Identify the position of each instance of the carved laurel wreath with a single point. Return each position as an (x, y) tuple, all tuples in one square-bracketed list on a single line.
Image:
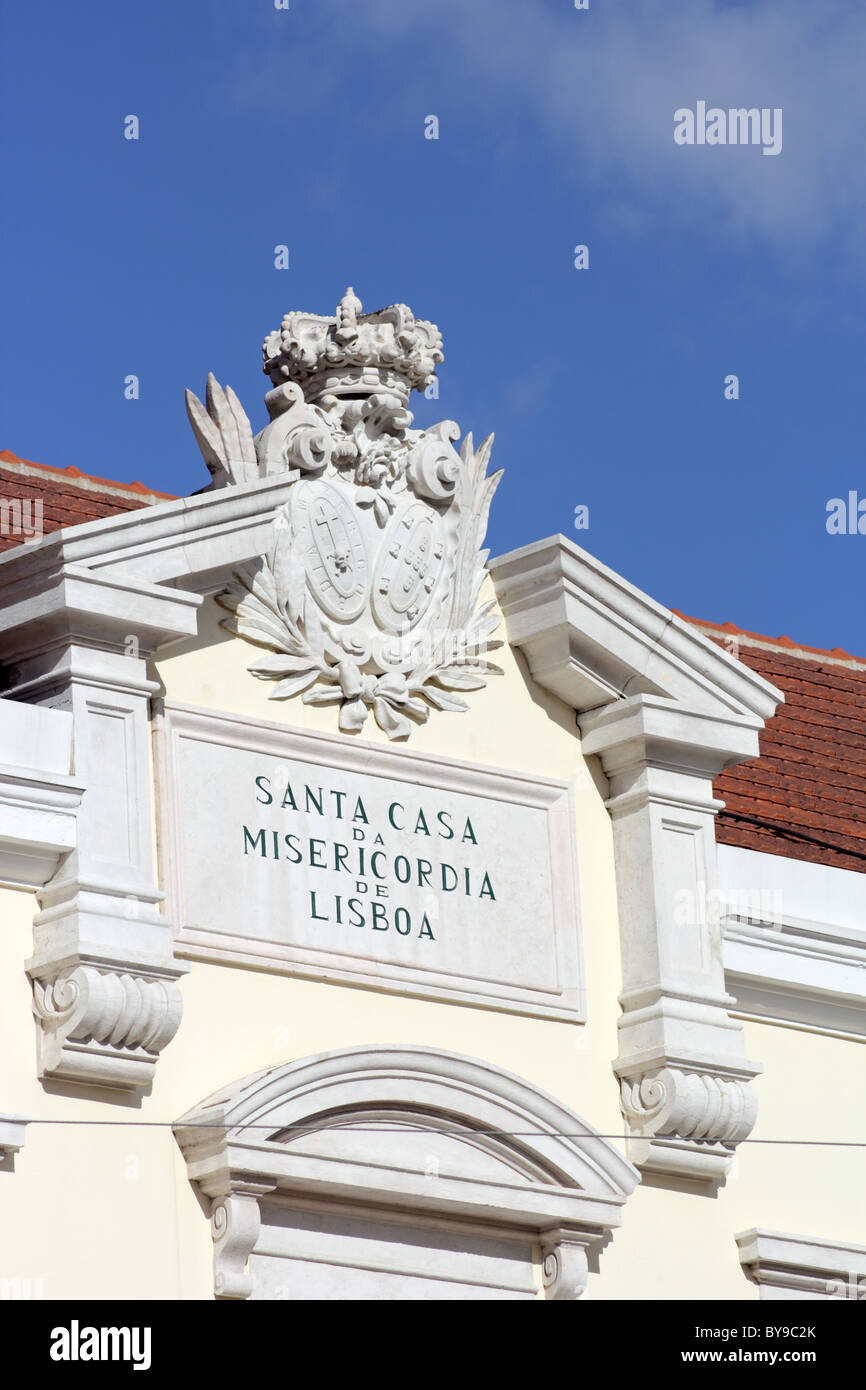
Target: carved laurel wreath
[(272, 607)]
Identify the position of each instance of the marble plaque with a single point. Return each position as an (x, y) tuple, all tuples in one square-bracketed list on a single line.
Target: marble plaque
[(335, 858)]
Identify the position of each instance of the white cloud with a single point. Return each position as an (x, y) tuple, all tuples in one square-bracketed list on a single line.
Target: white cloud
[(607, 81)]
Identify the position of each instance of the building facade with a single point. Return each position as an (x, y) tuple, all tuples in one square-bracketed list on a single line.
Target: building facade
[(386, 921)]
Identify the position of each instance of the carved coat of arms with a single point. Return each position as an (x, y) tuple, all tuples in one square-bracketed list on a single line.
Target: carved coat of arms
[(369, 596)]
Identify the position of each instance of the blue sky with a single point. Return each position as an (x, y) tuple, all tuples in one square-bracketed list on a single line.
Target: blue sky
[(605, 387)]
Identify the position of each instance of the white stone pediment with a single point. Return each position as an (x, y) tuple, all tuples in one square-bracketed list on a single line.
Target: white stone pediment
[(407, 1136), (335, 529), (276, 1120), (396, 1136), (192, 542), (590, 637)]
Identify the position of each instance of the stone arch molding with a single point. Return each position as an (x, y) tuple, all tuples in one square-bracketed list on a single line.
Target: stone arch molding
[(399, 1173)]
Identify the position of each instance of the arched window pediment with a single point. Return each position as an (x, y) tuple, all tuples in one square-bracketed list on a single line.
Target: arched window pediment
[(399, 1134)]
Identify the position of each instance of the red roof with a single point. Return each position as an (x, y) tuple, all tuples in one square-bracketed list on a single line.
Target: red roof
[(67, 497), (805, 796)]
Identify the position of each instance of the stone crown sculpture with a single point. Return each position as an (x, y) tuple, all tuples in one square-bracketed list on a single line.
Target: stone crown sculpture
[(354, 353), (368, 596)]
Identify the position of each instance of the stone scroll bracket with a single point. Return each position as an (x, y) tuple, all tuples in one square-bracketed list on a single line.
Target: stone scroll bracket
[(105, 995), (236, 1224), (564, 1266), (665, 711)]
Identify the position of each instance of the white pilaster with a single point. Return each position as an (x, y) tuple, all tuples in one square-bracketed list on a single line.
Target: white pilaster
[(104, 977), (666, 711), (683, 1073)]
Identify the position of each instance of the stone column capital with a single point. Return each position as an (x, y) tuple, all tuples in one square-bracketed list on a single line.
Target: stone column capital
[(662, 733)]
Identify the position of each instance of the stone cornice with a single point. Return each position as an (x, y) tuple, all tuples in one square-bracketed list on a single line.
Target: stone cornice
[(178, 542), (37, 824), (664, 733), (12, 1129), (39, 800), (62, 605), (591, 637), (798, 1267), (796, 971)]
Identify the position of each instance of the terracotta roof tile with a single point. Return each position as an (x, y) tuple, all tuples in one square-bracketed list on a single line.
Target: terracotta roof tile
[(805, 795), (67, 497)]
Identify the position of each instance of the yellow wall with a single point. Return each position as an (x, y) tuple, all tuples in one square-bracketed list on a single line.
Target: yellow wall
[(674, 1244), (106, 1211)]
